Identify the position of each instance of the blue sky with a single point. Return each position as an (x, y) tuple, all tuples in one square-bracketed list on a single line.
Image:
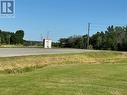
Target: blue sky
[(63, 18)]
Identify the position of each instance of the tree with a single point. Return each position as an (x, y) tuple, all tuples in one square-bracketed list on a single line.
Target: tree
[(114, 38), (19, 35), (13, 39)]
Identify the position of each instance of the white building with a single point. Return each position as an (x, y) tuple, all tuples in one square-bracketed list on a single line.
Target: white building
[(47, 43)]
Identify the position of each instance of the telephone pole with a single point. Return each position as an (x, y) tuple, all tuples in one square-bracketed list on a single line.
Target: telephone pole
[(88, 38)]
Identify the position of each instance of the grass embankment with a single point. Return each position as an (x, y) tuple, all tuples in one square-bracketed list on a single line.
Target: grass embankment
[(21, 64), (102, 73)]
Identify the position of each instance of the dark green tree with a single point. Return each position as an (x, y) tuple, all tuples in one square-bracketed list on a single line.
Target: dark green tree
[(19, 35)]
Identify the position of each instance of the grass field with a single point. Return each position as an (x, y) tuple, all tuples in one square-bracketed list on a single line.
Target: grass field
[(98, 73)]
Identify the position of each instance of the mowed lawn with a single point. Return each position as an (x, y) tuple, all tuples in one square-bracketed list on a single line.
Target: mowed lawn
[(102, 74)]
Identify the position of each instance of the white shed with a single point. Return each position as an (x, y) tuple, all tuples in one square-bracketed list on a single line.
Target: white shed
[(47, 43)]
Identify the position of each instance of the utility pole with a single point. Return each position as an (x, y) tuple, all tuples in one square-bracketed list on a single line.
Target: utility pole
[(88, 38)]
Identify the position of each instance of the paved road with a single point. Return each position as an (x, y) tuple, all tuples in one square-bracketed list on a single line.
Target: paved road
[(8, 52)]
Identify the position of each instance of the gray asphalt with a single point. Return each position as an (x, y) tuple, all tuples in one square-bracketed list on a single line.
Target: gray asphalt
[(9, 52)]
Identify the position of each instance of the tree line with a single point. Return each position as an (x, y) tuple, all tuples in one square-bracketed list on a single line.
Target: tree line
[(114, 38), (11, 37)]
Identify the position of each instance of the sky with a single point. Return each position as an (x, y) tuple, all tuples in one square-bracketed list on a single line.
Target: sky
[(64, 18)]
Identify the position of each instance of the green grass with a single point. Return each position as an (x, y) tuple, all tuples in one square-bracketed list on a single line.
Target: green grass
[(68, 79), (75, 78), (20, 63)]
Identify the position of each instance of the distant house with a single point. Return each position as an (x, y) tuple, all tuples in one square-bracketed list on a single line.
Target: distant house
[(47, 43)]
